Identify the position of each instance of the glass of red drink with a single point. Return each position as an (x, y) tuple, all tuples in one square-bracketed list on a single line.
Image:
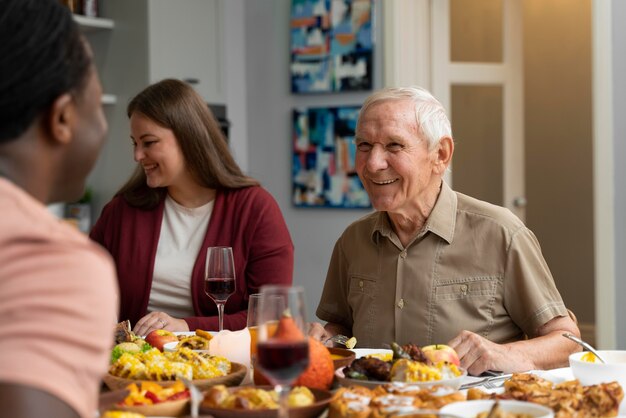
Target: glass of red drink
[(283, 350), (219, 280)]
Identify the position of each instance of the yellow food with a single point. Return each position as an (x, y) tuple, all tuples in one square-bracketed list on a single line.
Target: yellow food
[(588, 357), (251, 398), (158, 366), (351, 343), (137, 394), (122, 414)]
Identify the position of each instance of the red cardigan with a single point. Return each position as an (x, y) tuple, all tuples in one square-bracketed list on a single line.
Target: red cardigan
[(249, 220)]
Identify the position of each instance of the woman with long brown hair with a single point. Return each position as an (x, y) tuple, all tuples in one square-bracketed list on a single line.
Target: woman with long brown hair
[(186, 194)]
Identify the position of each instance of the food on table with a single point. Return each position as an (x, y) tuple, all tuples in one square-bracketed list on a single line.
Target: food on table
[(497, 412), (158, 366), (568, 399), (320, 372), (123, 332), (351, 343), (138, 346), (440, 352), (251, 398), (409, 364), (388, 400), (121, 414), (150, 393), (159, 337), (589, 357), (194, 342)]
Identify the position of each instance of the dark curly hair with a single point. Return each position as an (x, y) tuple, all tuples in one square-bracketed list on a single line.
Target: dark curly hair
[(42, 56)]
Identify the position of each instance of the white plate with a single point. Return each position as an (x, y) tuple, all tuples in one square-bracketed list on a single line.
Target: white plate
[(171, 347), (453, 383), (362, 352), (469, 409)]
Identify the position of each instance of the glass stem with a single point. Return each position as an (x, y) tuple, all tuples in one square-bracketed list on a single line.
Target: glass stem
[(283, 396), (220, 313)]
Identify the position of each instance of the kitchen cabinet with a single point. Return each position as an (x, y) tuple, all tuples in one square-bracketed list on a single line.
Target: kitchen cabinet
[(185, 43)]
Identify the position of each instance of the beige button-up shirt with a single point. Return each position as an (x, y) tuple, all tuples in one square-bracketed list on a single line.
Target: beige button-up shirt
[(474, 266)]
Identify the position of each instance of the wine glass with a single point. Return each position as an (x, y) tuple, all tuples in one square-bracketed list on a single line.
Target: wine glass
[(219, 281), (283, 350)]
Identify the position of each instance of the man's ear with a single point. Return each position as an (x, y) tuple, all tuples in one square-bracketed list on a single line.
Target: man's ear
[(444, 151), (61, 118)]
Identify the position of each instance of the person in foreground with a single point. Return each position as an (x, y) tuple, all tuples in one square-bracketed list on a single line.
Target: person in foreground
[(434, 266), (58, 295), (187, 194)]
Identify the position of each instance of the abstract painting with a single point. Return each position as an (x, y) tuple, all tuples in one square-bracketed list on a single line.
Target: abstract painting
[(323, 169), (331, 45)]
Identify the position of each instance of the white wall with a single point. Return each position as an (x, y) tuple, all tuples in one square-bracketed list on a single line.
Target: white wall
[(619, 141), (314, 231)]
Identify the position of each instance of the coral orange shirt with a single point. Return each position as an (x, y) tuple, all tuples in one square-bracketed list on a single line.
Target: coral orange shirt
[(58, 303)]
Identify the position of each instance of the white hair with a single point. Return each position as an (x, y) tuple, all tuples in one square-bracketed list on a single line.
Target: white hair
[(430, 116)]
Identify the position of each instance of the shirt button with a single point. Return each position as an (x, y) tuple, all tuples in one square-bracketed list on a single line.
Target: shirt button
[(401, 303), (403, 254), (361, 284), (464, 289)]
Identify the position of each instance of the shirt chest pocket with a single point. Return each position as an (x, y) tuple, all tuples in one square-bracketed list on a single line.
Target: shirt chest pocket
[(470, 288), (363, 287)]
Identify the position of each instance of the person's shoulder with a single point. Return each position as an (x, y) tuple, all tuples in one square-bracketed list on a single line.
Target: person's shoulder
[(482, 211), (252, 196), (365, 225)]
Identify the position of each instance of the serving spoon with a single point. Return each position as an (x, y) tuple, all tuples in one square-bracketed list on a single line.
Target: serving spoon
[(585, 345)]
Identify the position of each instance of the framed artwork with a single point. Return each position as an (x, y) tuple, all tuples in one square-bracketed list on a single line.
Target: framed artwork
[(323, 171), (331, 45)]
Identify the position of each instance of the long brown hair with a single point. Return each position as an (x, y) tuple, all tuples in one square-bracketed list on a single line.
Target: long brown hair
[(175, 105)]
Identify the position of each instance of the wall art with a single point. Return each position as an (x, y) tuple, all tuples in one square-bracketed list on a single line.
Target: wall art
[(324, 150), (331, 45)]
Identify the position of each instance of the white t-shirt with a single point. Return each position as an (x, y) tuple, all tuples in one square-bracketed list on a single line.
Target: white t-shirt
[(182, 233)]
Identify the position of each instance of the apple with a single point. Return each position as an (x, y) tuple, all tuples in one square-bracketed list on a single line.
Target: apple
[(159, 337), (440, 352)]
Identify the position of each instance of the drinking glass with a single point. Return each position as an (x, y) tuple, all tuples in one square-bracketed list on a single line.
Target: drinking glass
[(282, 358), (219, 282), (253, 321)]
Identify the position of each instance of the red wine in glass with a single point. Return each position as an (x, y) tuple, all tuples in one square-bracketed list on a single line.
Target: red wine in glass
[(219, 282), (219, 288), (282, 362)]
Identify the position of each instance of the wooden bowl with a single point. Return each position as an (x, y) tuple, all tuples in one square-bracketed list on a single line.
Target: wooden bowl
[(164, 409), (342, 357), (237, 373), (322, 399)]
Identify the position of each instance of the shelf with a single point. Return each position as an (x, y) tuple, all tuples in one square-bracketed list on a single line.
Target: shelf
[(109, 99), (92, 24)]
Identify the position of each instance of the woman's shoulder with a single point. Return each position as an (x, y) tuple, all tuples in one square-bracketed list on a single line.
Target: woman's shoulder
[(253, 195)]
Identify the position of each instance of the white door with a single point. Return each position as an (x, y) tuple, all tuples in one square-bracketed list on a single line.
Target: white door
[(469, 55)]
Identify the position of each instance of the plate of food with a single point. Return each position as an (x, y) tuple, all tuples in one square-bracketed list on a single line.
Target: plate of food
[(262, 402), (149, 399), (233, 377), (410, 365), (497, 409)]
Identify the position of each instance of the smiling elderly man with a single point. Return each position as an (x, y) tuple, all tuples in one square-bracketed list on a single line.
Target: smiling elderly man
[(431, 265)]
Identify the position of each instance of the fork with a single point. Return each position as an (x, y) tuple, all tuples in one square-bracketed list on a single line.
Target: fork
[(338, 339), (196, 396), (494, 384)]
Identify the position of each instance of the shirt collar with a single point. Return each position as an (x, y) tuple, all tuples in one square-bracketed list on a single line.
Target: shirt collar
[(441, 221)]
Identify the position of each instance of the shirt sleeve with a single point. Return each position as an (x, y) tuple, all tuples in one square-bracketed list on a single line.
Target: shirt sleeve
[(530, 296), (333, 305)]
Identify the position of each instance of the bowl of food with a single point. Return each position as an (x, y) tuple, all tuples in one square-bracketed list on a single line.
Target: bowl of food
[(150, 399), (589, 370), (341, 356), (496, 409), (262, 402)]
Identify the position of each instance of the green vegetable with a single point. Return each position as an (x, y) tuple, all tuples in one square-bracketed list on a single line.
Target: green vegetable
[(122, 348), (398, 352)]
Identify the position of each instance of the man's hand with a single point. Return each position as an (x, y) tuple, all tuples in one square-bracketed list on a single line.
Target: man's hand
[(478, 354), (547, 349), (318, 332)]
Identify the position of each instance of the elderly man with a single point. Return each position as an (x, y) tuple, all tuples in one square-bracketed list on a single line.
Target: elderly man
[(433, 266), (58, 294)]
